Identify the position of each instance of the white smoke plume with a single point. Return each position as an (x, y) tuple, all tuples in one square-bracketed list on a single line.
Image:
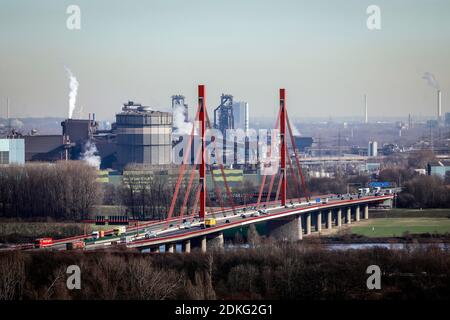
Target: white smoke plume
[(90, 155), (295, 131), (73, 86), (181, 127), (431, 80)]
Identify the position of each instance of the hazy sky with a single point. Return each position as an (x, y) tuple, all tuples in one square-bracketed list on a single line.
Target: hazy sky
[(320, 51)]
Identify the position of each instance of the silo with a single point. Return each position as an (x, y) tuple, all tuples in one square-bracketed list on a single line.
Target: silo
[(144, 136)]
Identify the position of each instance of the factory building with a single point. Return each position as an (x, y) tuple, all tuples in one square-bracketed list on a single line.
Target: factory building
[(438, 168), (447, 119), (45, 148), (143, 135), (12, 151), (303, 143), (372, 150), (223, 114), (241, 115)]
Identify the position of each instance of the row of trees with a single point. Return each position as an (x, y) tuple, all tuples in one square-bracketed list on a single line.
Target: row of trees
[(65, 190), (265, 271), (425, 192)]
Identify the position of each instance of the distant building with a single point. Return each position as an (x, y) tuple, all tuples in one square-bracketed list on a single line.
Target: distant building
[(143, 135), (12, 151), (241, 115), (223, 114), (372, 150), (302, 143), (438, 168), (447, 119), (45, 148), (432, 123)]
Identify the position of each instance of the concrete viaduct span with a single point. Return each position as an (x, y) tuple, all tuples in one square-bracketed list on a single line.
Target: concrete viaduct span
[(289, 224)]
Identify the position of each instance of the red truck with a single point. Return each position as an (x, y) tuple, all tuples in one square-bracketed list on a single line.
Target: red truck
[(43, 242)]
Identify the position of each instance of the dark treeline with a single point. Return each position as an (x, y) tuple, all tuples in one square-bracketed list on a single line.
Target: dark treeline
[(65, 190), (267, 271), (425, 192)]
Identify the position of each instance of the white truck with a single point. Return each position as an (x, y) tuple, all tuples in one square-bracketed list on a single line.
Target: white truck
[(363, 191), (126, 239)]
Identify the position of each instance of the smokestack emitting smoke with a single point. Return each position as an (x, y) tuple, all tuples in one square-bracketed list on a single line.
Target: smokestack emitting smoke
[(432, 82), (182, 127), (89, 155), (439, 105), (73, 86)]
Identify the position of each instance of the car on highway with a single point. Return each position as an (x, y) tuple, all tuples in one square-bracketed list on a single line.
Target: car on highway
[(243, 216), (127, 238), (185, 225), (227, 221), (255, 214), (210, 222), (95, 235), (119, 230), (150, 234)]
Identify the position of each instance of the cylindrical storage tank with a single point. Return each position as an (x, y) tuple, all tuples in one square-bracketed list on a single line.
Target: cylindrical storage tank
[(144, 136)]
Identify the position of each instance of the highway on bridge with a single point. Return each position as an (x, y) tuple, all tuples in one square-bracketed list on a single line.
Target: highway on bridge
[(151, 234)]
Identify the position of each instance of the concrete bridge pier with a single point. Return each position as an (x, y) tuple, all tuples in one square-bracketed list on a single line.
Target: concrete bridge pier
[(300, 228), (319, 222), (203, 244), (286, 228), (339, 217), (357, 213), (186, 246), (366, 211), (308, 223), (170, 247), (349, 215), (216, 241), (329, 219)]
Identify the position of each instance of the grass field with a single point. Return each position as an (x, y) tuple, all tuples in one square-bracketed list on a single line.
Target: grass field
[(411, 213), (388, 227)]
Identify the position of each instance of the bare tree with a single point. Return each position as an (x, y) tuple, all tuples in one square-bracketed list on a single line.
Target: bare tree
[(12, 276), (149, 283)]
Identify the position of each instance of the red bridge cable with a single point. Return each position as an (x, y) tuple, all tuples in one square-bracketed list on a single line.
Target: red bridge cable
[(278, 190), (191, 180), (261, 189), (299, 168), (227, 187), (196, 199), (293, 174), (181, 173), (217, 191)]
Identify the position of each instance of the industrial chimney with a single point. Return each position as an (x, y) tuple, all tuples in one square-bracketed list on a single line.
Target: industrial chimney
[(366, 116), (439, 105)]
